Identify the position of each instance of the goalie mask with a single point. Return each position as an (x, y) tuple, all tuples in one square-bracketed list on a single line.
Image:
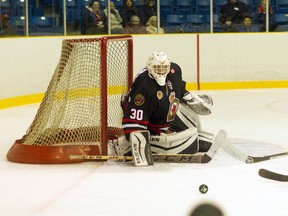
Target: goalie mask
[(158, 66)]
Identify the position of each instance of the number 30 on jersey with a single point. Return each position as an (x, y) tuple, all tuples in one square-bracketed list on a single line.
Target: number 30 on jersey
[(136, 114)]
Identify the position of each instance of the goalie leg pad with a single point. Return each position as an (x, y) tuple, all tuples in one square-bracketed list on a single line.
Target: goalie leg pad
[(176, 143), (141, 149)]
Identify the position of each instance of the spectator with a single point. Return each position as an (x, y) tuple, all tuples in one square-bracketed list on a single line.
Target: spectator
[(147, 10), (115, 19), (127, 11), (231, 15), (261, 18), (5, 29), (95, 20), (134, 26), (151, 26), (247, 25)]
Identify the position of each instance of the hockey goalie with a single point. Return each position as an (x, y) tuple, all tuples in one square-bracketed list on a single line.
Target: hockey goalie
[(159, 105)]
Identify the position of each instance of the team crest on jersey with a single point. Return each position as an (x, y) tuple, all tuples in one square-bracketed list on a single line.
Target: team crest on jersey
[(139, 99), (172, 71), (174, 105), (171, 96), (159, 95)]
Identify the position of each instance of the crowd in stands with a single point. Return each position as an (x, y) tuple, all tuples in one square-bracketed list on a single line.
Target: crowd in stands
[(128, 19), (6, 30), (235, 16), (140, 16)]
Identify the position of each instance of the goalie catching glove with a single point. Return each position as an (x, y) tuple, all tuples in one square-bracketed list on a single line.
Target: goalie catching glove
[(201, 104)]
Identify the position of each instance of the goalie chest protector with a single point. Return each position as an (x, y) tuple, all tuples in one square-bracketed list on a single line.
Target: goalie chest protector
[(151, 106)]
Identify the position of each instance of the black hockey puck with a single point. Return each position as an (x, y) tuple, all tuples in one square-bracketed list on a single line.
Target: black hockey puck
[(203, 188)]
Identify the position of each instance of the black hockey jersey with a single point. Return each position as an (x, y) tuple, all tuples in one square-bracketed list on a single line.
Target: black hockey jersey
[(150, 106)]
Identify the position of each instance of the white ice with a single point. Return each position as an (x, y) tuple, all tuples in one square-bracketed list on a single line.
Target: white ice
[(255, 121)]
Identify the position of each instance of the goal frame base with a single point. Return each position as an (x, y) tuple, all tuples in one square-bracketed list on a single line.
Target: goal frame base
[(22, 153)]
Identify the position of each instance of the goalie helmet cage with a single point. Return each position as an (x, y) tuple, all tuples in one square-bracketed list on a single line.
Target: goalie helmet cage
[(81, 109)]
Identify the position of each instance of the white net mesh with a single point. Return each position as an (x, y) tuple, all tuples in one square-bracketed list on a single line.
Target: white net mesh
[(74, 105)]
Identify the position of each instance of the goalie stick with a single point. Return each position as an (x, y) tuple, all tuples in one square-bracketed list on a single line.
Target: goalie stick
[(177, 158), (181, 158), (272, 175), (238, 154)]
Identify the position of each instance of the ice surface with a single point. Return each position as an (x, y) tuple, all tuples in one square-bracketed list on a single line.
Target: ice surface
[(255, 121)]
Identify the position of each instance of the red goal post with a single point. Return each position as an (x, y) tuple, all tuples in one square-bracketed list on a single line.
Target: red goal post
[(81, 108)]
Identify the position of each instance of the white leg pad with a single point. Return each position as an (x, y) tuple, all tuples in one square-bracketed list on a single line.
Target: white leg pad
[(141, 149), (174, 143)]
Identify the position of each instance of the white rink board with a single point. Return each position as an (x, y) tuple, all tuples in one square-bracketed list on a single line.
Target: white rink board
[(243, 57), (27, 64)]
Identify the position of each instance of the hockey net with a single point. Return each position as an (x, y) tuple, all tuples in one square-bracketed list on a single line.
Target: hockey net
[(81, 110)]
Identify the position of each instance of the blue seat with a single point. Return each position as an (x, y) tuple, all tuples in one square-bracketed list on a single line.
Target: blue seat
[(175, 19), (166, 11), (82, 3), (20, 11), (197, 23), (216, 25), (70, 3), (185, 7), (17, 20), (4, 3), (19, 23), (17, 3), (118, 4), (18, 7), (37, 11), (138, 3), (51, 2), (281, 18), (5, 7), (196, 19), (282, 22), (167, 7), (250, 5), (42, 24), (71, 16), (281, 6), (203, 6), (217, 4), (174, 23), (72, 10), (33, 3), (249, 2), (167, 4)]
